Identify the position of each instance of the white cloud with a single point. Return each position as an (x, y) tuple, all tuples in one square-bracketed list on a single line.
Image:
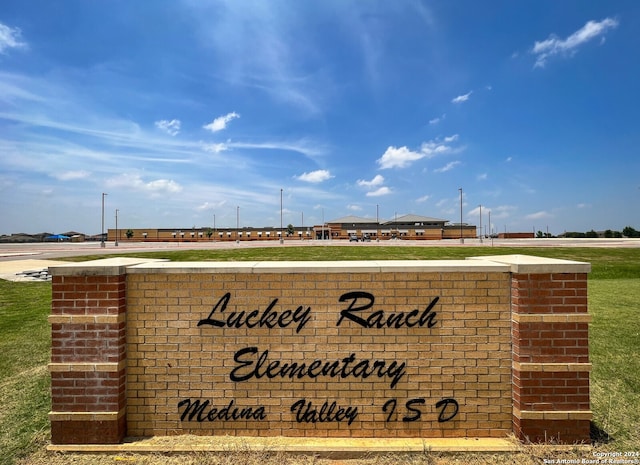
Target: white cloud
[(71, 175), (556, 46), (401, 157), (379, 192), (448, 167), (170, 127), (398, 157), (135, 182), (354, 208), (482, 177), (424, 198), (315, 176), (376, 181), (220, 122), (10, 38), (462, 98)]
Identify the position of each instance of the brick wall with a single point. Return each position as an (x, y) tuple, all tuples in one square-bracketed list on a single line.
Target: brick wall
[(333, 349), (465, 355)]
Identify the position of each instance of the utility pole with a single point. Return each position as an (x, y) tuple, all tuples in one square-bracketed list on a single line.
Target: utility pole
[(461, 238), (281, 232), (102, 232), (480, 223), (377, 224), (116, 244)]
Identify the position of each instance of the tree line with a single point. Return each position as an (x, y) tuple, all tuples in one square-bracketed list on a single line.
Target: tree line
[(628, 231)]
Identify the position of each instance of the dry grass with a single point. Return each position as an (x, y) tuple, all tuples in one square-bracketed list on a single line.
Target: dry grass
[(528, 455)]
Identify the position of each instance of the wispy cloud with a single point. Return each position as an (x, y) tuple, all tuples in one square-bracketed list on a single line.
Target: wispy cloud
[(448, 167), (437, 119), (422, 199), (539, 215), (10, 37), (215, 148), (462, 98), (136, 183), (554, 45), (220, 123), (211, 205), (72, 175), (170, 127), (306, 148), (501, 211), (315, 176)]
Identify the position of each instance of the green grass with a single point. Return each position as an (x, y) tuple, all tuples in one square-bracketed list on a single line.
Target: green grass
[(24, 381), (614, 291), (607, 263), (614, 346)]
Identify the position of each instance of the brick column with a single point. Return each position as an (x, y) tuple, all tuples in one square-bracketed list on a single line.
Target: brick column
[(550, 337), (88, 352)]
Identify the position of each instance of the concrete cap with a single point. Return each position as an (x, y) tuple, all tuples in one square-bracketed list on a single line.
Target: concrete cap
[(538, 265)]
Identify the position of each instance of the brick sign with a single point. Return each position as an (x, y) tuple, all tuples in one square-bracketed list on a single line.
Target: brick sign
[(472, 348)]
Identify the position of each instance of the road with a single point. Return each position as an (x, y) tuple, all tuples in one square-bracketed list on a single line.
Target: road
[(51, 250)]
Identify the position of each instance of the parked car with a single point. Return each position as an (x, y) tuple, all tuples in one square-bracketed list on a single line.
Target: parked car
[(366, 238), (353, 238)]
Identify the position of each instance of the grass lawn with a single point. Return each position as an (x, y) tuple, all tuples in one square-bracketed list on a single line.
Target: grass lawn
[(614, 290)]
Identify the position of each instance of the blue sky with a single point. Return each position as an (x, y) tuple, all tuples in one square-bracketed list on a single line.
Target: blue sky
[(182, 110)]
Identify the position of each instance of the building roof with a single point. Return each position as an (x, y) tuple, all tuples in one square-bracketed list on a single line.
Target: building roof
[(353, 219), (412, 219)]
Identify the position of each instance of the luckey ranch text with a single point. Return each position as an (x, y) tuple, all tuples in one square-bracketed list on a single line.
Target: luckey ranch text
[(254, 363)]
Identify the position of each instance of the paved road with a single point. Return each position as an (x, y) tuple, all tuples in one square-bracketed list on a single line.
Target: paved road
[(46, 251)]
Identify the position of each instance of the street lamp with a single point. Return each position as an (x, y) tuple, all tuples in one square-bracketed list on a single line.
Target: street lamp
[(102, 232), (281, 232), (377, 224), (237, 224), (461, 238), (116, 244)]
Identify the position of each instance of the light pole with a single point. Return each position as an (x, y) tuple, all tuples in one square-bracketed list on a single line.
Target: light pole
[(281, 232), (490, 232), (377, 224), (461, 238), (102, 232), (116, 244), (237, 224), (480, 223), (214, 227)]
